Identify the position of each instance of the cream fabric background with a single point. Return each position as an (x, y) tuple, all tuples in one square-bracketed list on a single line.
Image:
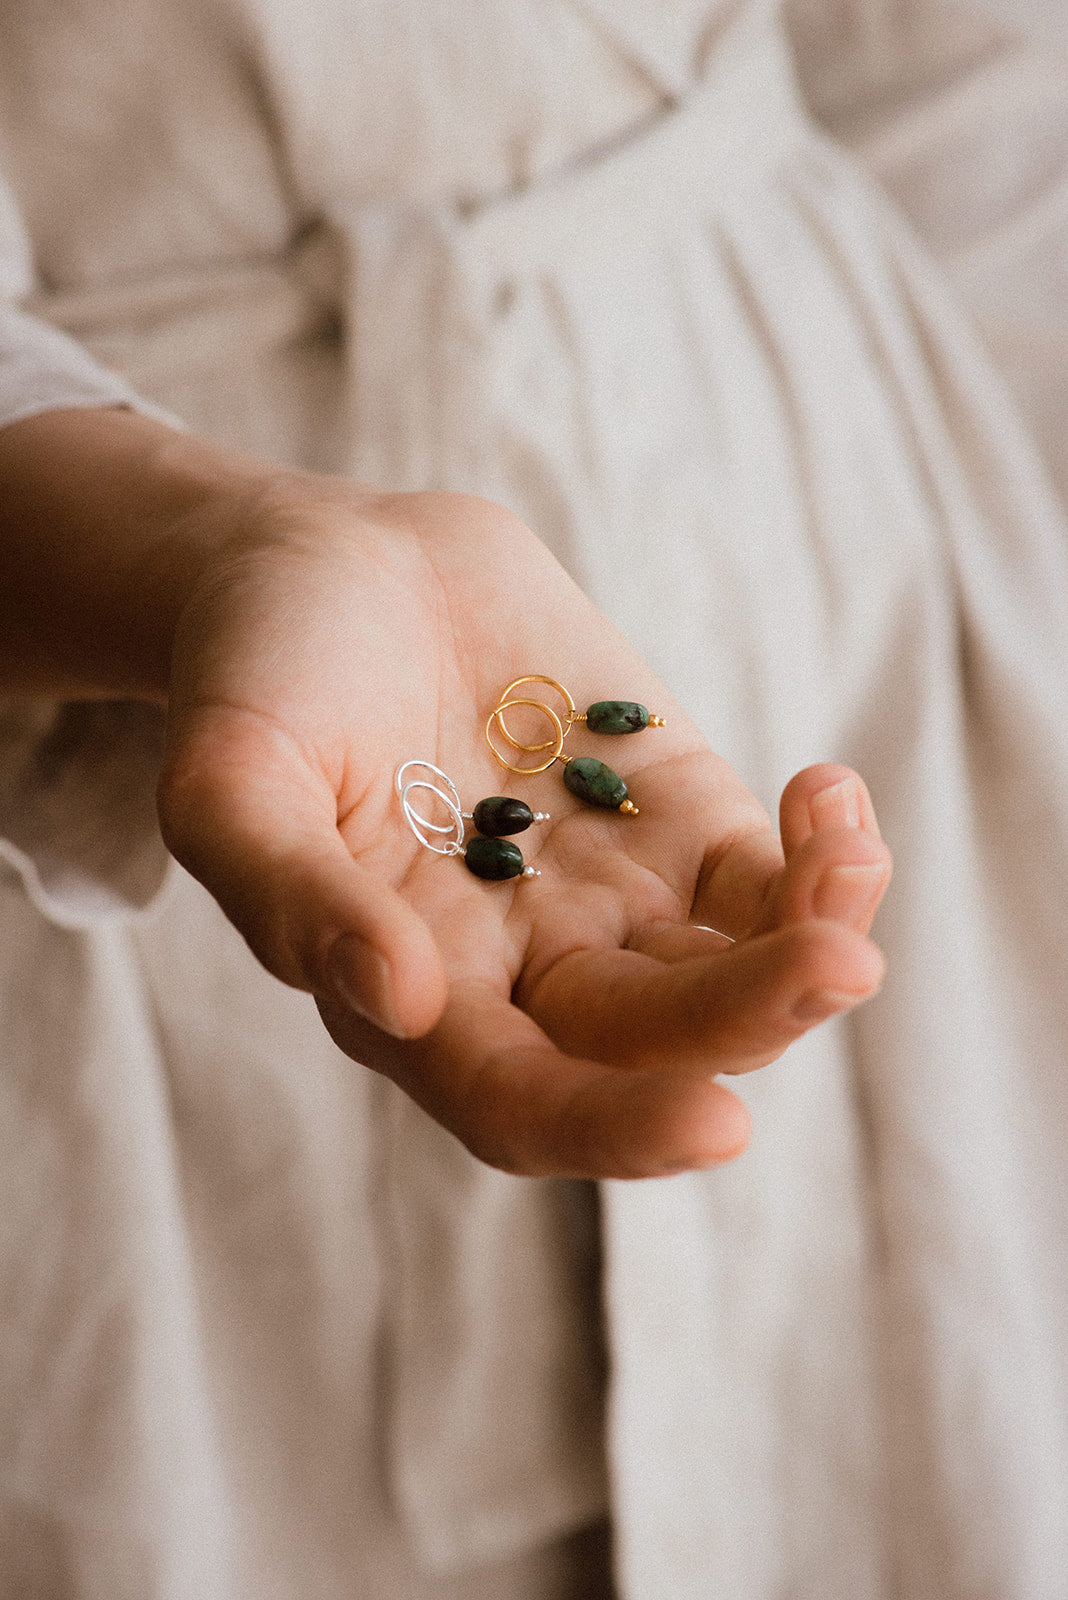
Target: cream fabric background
[(658, 311)]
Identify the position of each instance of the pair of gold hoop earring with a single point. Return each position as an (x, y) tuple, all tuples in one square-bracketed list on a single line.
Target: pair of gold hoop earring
[(587, 778)]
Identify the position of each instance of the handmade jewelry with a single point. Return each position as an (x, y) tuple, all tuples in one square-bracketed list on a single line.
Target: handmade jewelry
[(488, 854), (589, 779)]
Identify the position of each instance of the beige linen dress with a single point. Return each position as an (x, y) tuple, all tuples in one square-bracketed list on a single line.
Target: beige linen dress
[(634, 268)]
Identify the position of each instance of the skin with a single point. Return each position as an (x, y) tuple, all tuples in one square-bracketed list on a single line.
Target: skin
[(308, 634)]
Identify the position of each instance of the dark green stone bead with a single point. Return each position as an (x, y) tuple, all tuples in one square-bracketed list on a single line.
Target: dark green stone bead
[(493, 858), (617, 716), (595, 783), (499, 814)]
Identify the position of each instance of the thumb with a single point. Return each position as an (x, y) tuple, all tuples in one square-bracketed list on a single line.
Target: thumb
[(244, 812)]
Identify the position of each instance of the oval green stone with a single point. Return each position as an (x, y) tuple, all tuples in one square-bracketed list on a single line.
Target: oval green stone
[(595, 783), (617, 716), (493, 858), (499, 814)]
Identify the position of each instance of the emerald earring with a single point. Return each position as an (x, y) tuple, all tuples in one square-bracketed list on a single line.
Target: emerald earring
[(489, 854), (589, 779)]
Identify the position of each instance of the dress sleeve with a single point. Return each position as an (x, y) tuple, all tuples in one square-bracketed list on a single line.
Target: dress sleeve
[(959, 109), (78, 830), (42, 369)]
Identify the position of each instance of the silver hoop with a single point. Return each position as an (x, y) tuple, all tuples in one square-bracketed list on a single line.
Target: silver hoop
[(417, 823), (420, 825), (452, 799)]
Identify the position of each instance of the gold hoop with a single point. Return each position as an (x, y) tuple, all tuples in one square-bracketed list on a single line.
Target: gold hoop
[(503, 704), (497, 714)]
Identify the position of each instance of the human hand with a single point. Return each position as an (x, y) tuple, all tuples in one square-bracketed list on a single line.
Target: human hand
[(575, 1023)]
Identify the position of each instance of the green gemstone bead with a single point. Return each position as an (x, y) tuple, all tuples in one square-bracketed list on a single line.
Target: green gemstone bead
[(617, 716), (595, 783), (493, 858), (499, 814)]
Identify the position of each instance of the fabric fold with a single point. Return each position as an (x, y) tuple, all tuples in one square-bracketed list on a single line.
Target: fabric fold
[(496, 1427), (77, 807)]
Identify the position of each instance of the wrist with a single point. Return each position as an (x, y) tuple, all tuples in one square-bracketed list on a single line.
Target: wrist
[(107, 522)]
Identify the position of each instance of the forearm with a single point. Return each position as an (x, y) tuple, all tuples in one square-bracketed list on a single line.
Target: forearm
[(106, 521)]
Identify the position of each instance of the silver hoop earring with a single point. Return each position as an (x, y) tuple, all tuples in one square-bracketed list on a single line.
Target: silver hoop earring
[(449, 798), (489, 854)]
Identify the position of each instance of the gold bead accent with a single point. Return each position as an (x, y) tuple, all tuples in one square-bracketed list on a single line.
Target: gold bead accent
[(629, 809), (657, 722)]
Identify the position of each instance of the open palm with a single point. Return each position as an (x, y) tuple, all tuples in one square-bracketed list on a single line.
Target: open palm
[(572, 1023)]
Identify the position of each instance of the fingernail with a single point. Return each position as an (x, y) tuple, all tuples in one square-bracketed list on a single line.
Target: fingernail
[(847, 892), (819, 1004), (836, 807), (359, 977)]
